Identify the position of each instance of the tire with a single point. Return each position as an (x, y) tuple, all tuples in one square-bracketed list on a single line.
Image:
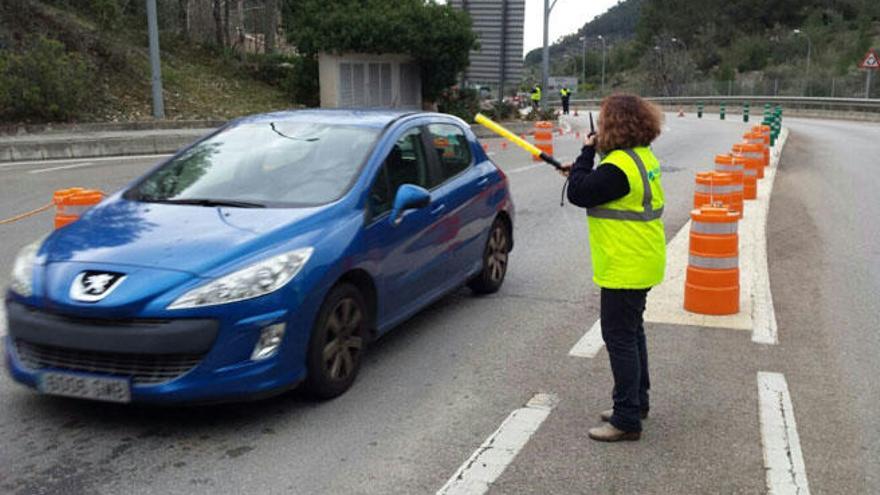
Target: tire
[(337, 343), (495, 257)]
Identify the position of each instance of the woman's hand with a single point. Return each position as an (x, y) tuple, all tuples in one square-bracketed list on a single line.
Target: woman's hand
[(565, 169), (590, 139)]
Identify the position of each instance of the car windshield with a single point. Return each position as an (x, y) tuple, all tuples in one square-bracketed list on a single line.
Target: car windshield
[(263, 164)]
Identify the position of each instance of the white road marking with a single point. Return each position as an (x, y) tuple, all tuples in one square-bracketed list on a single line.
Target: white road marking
[(590, 343), (665, 301), (62, 167), (783, 458), (476, 475), (527, 168), (80, 160)]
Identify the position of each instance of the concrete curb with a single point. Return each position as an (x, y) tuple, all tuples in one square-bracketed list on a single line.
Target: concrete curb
[(98, 140), (147, 125), (61, 146)]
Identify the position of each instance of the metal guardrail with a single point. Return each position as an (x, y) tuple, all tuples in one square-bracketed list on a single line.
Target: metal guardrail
[(805, 102)]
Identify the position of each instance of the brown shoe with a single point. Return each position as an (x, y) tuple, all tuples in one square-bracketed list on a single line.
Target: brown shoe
[(608, 433), (606, 415)]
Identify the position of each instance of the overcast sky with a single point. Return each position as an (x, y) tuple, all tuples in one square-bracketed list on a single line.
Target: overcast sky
[(567, 17)]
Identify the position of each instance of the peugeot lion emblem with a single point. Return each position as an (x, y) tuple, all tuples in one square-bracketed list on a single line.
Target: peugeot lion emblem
[(91, 286)]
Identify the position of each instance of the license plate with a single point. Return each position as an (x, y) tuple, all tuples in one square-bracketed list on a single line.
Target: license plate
[(86, 386)]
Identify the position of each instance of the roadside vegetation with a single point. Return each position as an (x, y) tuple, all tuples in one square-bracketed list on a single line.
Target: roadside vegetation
[(680, 47), (88, 61)]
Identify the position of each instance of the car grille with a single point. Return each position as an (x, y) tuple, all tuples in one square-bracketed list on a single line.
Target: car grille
[(143, 369)]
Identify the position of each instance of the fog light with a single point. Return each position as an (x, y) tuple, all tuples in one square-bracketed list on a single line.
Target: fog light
[(269, 342)]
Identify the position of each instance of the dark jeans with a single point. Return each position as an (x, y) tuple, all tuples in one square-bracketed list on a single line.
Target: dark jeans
[(565, 106), (624, 335)]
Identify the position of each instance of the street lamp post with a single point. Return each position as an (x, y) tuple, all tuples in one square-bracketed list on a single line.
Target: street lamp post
[(545, 62), (155, 66), (809, 50), (603, 62), (584, 60)]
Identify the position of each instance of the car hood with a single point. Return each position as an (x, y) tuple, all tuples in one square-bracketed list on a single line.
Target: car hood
[(186, 238)]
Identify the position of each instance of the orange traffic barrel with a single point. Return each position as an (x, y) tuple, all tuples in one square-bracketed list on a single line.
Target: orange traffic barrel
[(761, 140), (543, 138), (712, 280), (73, 202), (718, 189), (752, 152)]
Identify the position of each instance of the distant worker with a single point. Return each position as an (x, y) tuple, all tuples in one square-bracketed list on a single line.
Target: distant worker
[(624, 201), (536, 96), (565, 94)]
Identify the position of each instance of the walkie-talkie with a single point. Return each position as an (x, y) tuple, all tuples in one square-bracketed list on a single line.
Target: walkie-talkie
[(592, 127)]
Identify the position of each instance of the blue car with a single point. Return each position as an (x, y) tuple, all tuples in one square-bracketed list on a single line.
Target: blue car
[(264, 256)]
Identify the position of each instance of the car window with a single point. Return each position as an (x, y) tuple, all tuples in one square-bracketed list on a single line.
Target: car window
[(406, 163), (452, 148), (274, 163)]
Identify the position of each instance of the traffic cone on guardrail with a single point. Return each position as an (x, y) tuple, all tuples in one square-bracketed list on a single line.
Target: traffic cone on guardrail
[(712, 278)]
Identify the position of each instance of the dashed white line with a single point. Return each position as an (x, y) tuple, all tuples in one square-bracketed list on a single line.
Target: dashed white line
[(62, 167), (527, 168), (783, 458), (477, 474), (590, 343), (80, 160)]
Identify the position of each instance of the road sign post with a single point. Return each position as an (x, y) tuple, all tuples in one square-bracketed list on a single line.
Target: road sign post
[(870, 63)]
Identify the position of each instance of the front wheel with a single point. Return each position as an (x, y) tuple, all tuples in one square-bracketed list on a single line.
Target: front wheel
[(337, 343), (495, 255)]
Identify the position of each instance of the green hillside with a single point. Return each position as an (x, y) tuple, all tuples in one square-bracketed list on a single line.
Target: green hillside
[(679, 47), (72, 61)]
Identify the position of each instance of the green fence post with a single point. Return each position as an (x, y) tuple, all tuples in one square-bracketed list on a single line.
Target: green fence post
[(721, 111), (699, 109), (746, 112)]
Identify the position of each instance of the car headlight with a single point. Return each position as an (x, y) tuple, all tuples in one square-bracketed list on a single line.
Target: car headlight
[(254, 281), (23, 269)]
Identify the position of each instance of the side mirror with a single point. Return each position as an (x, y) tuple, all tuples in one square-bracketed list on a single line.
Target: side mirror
[(409, 197)]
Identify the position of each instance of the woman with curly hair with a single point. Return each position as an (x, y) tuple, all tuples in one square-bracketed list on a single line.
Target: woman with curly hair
[(624, 201)]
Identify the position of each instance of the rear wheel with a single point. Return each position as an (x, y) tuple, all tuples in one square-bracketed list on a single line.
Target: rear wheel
[(337, 343), (495, 255)]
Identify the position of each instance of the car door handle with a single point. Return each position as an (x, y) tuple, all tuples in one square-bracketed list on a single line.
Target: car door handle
[(483, 182), (438, 209)]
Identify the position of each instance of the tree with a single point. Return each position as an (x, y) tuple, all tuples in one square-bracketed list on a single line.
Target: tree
[(438, 37)]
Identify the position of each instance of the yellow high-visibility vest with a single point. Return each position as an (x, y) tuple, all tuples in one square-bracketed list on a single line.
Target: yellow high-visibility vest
[(627, 243)]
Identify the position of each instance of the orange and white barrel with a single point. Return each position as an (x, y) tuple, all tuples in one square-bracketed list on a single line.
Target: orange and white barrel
[(712, 278), (718, 189), (752, 152), (758, 138), (543, 138), (71, 203)]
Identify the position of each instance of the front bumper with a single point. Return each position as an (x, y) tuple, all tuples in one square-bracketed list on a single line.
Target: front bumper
[(167, 361)]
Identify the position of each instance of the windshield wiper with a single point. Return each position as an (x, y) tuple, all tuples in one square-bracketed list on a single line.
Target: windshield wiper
[(210, 202)]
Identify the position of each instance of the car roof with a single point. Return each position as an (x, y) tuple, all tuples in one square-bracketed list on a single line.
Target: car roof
[(360, 117)]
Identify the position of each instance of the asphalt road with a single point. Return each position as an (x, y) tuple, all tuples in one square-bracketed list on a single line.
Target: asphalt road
[(432, 390)]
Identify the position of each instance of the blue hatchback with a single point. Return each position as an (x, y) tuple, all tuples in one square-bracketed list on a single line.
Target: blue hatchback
[(263, 256)]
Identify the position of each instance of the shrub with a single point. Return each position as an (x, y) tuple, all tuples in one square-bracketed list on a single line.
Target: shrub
[(44, 82), (463, 103), (107, 13), (501, 111), (297, 76)]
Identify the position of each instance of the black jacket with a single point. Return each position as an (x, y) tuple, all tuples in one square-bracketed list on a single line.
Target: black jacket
[(588, 187)]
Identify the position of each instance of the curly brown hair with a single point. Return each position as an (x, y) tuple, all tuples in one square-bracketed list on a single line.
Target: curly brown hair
[(627, 121)]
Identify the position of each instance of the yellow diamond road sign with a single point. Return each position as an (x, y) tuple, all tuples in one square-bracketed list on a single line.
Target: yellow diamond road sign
[(871, 60)]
